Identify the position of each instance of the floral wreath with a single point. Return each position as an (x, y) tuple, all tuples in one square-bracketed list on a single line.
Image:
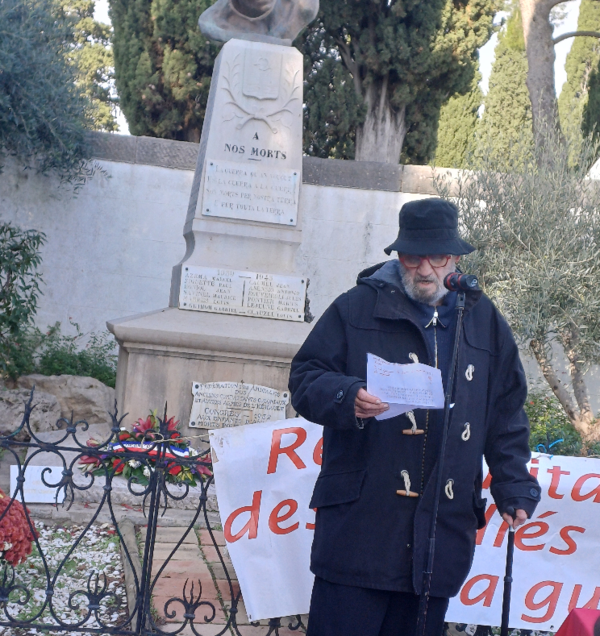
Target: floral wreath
[(148, 437)]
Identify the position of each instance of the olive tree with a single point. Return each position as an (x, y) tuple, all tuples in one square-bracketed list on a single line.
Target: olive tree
[(535, 221)]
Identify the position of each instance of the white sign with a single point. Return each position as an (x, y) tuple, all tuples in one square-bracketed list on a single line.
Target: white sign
[(253, 193), (265, 475), (34, 488), (404, 386), (223, 404), (557, 560), (226, 291)]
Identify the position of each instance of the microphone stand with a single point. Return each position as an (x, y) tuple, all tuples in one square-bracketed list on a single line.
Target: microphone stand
[(427, 572)]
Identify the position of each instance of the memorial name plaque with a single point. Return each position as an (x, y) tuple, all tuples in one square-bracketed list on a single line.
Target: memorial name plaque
[(222, 404), (225, 291), (251, 192)]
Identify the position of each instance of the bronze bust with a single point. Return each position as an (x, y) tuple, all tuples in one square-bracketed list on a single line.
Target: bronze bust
[(273, 21)]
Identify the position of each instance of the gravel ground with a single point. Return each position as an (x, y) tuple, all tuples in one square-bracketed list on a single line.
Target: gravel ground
[(97, 554)]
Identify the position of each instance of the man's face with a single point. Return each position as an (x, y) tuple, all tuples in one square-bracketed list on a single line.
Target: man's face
[(253, 8), (425, 283)]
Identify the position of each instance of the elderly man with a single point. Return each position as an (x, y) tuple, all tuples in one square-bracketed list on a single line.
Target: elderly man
[(374, 495)]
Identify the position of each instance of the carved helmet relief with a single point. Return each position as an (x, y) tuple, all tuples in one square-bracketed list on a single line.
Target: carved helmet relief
[(262, 74), (261, 80)]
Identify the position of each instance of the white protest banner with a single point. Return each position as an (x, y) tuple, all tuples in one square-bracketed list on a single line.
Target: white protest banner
[(264, 476), (556, 562)]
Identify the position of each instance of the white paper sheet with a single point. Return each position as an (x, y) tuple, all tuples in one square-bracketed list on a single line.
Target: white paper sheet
[(404, 386)]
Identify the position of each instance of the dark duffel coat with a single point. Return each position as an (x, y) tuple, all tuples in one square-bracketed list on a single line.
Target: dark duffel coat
[(366, 534)]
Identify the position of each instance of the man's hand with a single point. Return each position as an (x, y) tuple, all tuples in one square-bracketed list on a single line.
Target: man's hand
[(519, 519), (367, 405)]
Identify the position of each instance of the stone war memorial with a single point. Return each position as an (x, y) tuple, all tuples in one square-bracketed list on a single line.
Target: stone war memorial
[(219, 354)]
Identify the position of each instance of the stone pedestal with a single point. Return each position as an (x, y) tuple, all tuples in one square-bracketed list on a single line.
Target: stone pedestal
[(163, 352), (242, 218)]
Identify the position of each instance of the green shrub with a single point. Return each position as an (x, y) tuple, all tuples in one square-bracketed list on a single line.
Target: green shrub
[(19, 290), (54, 353), (59, 354), (549, 424)]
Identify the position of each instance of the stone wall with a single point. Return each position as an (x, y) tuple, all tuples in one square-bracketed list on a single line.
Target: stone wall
[(112, 246)]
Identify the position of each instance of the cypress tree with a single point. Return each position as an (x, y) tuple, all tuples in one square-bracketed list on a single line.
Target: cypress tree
[(581, 64), (457, 125), (91, 55), (506, 120), (403, 59), (163, 66)]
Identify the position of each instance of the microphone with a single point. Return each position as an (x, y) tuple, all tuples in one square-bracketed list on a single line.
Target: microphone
[(461, 282)]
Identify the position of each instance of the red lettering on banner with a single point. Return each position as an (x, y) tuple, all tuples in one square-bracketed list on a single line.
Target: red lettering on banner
[(576, 494), (550, 601), (534, 468), (275, 519), (318, 453), (525, 533), (591, 604), (566, 537), (487, 595), (488, 515), (251, 526), (276, 449), (556, 472)]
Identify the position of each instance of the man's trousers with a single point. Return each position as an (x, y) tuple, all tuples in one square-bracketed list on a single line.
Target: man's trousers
[(344, 610)]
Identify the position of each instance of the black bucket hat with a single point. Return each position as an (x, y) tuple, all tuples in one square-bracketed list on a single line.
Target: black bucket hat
[(429, 226)]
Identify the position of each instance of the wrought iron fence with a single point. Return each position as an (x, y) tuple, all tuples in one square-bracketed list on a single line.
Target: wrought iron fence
[(33, 597)]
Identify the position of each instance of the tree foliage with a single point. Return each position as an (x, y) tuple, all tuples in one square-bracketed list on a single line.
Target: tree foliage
[(43, 112), (506, 122), (163, 66), (90, 53), (536, 225), (457, 125), (403, 60), (582, 61), (19, 289)]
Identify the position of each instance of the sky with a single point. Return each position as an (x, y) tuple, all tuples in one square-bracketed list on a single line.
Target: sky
[(486, 53)]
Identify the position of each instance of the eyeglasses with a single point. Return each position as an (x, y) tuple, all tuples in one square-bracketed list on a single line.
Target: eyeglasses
[(412, 261)]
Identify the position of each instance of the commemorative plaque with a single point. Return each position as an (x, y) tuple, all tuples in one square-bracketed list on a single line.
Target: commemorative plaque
[(226, 291), (251, 192), (223, 404)]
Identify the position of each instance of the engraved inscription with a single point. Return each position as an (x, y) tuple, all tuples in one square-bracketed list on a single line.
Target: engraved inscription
[(251, 192), (226, 291), (222, 404)]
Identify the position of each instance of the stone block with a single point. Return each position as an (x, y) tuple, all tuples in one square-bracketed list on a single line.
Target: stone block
[(43, 418), (86, 398)]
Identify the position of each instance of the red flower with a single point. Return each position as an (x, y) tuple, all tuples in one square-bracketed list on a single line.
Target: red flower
[(142, 426), (15, 531), (86, 459), (174, 470), (172, 424), (118, 465), (123, 436)]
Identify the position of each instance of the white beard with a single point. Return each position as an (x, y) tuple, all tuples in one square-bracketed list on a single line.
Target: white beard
[(421, 295)]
